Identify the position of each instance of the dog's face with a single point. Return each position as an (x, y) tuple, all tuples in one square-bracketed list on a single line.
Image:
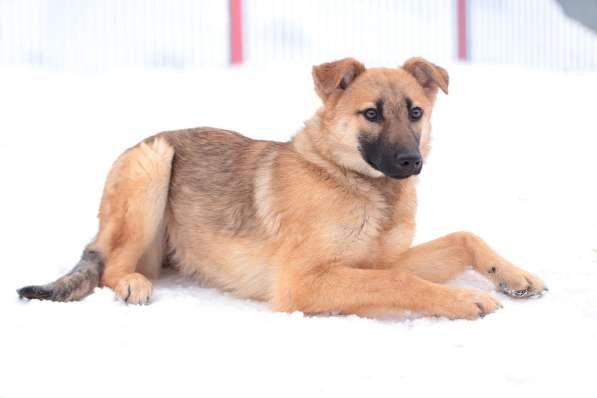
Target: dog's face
[(376, 121)]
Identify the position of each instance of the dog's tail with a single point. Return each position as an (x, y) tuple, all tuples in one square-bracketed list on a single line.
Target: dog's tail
[(75, 285)]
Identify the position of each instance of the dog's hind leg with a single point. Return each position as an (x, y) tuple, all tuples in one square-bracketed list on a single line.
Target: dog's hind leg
[(132, 219)]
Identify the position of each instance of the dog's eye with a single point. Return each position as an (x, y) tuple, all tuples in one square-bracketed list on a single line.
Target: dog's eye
[(415, 113), (371, 114)]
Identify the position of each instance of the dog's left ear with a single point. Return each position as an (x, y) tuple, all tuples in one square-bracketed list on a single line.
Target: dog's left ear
[(335, 77), (429, 75)]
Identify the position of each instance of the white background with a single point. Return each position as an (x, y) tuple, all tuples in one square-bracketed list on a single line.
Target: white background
[(513, 160)]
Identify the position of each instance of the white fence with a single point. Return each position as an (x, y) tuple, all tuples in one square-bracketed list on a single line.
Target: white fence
[(100, 34), (103, 34), (378, 31), (529, 32)]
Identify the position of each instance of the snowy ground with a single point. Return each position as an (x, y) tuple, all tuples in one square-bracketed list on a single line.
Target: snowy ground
[(513, 160)]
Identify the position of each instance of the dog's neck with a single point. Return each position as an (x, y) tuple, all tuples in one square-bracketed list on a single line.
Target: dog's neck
[(307, 145)]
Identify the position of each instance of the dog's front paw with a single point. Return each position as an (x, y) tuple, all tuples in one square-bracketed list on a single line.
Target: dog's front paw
[(134, 289), (467, 304), (516, 282)]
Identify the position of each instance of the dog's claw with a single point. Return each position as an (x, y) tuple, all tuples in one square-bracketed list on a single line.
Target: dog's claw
[(481, 310), (514, 293), (126, 299), (527, 292)]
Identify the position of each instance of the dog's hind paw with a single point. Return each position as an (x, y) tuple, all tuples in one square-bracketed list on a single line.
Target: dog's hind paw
[(134, 289)]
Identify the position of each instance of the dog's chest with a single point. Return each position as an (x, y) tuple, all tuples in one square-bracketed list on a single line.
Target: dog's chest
[(357, 233)]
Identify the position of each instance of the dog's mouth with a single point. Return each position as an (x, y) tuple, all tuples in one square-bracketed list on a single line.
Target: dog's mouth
[(401, 176)]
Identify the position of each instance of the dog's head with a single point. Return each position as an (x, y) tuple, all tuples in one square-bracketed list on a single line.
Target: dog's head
[(376, 121)]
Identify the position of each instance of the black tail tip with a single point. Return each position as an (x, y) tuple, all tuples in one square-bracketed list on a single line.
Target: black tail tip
[(35, 292)]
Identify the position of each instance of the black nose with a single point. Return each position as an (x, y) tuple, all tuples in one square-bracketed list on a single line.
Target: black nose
[(409, 163)]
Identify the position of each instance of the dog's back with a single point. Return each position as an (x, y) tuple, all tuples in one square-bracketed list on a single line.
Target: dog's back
[(213, 174)]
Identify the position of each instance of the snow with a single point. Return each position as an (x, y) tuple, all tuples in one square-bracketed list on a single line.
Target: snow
[(513, 160)]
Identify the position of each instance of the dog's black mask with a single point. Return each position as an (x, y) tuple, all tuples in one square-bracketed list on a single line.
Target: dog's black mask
[(392, 159)]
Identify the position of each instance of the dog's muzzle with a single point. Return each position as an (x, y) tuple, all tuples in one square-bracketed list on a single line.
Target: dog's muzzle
[(392, 160)]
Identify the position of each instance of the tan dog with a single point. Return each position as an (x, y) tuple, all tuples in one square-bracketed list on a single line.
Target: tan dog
[(321, 224)]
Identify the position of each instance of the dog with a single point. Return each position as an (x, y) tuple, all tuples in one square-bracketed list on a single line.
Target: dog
[(321, 224)]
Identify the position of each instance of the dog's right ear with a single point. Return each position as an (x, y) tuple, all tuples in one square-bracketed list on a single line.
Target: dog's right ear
[(430, 76), (334, 77)]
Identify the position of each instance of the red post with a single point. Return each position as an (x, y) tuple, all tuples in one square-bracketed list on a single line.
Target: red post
[(462, 30), (236, 31)]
